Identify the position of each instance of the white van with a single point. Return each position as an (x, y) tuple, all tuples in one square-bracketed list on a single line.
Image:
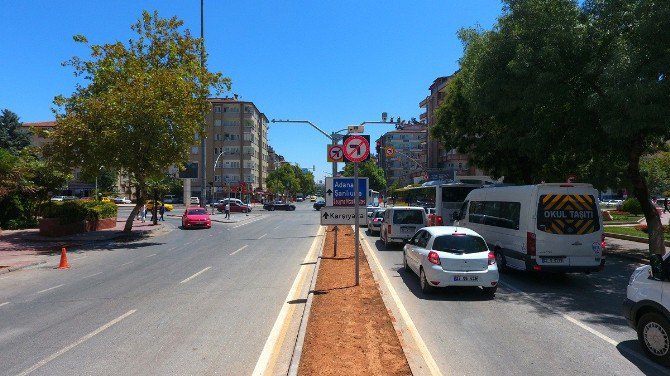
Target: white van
[(545, 227), (400, 223)]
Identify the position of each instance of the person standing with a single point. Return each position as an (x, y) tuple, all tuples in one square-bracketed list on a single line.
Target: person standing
[(162, 211), (143, 213), (227, 210)]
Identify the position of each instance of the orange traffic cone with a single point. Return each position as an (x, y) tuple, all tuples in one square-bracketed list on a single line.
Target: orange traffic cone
[(63, 259)]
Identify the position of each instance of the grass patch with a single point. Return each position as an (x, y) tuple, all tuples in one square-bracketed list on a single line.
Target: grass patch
[(631, 231)]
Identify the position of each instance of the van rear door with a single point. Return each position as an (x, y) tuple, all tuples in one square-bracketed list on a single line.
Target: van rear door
[(568, 227)]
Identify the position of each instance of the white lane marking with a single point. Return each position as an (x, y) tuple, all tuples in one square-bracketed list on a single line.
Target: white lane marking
[(127, 263), (239, 250), (5, 303), (151, 255), (275, 340), (76, 343), (587, 328), (196, 274), (50, 288), (276, 227), (262, 236), (420, 344), (92, 275), (247, 222)]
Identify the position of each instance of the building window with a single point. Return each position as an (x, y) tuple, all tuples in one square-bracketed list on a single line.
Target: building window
[(217, 109), (217, 122), (194, 149), (197, 137), (217, 137), (217, 178)]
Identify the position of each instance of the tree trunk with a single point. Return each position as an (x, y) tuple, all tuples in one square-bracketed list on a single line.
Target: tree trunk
[(140, 194), (641, 192)]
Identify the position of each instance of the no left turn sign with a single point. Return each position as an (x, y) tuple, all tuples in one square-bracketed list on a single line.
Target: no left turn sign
[(356, 148), (335, 153)]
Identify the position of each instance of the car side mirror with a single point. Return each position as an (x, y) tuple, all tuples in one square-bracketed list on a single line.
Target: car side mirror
[(456, 215)]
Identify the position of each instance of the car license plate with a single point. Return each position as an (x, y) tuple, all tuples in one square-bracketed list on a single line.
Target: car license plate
[(406, 229), (552, 260), (466, 278)]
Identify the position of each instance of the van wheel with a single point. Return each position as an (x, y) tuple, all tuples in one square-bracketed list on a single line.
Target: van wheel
[(490, 292), (426, 288), (501, 261), (653, 332)]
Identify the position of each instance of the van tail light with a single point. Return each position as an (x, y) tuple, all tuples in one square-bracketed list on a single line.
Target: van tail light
[(602, 242), (438, 220), (389, 229), (530, 243), (492, 258), (433, 258)]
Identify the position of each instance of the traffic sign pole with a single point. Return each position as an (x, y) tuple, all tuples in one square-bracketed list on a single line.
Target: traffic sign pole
[(356, 226)]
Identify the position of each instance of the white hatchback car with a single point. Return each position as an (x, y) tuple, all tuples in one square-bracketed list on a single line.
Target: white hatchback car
[(451, 256)]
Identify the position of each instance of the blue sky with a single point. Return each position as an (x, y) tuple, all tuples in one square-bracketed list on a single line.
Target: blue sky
[(334, 63)]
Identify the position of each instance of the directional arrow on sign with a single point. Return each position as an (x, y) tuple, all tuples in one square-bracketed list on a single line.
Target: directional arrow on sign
[(330, 192)]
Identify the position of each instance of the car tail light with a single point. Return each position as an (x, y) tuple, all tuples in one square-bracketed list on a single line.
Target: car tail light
[(492, 258), (433, 258), (602, 242), (531, 243), (537, 268), (438, 221)]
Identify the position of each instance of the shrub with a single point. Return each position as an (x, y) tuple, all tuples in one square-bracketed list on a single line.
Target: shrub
[(632, 205), (76, 211)]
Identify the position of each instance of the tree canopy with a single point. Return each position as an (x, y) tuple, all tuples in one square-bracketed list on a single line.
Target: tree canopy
[(558, 89), (368, 169), (141, 107), (291, 179), (12, 137)]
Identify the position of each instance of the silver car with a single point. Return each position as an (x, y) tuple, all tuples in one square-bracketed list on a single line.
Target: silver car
[(375, 221)]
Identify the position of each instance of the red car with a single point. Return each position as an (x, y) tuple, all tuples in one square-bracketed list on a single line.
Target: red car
[(235, 207), (196, 217)]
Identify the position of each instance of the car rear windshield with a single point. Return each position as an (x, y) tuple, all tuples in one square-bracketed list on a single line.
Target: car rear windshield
[(567, 214), (460, 244), (379, 214), (408, 217), (197, 211)]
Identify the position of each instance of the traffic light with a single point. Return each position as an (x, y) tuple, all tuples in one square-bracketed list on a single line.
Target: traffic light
[(378, 147)]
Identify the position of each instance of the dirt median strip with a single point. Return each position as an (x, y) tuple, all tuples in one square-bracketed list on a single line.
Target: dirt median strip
[(349, 330)]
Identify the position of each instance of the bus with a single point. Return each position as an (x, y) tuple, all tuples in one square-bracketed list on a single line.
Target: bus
[(444, 198)]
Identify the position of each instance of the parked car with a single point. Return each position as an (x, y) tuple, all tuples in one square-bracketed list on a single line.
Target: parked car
[(319, 204), (279, 205), (170, 199), (401, 223), (647, 310), (299, 199), (150, 205), (451, 256), (195, 201), (57, 198), (376, 222), (196, 217), (225, 200), (312, 198), (70, 198), (235, 207), (122, 200)]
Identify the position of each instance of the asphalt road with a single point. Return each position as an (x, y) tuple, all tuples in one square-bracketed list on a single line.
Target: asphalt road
[(536, 325), (187, 302)]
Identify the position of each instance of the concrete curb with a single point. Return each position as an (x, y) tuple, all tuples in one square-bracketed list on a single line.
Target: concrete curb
[(302, 331), (625, 256), (633, 238), (15, 268)]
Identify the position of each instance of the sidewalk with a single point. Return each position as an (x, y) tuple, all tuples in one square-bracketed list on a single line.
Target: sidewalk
[(23, 248)]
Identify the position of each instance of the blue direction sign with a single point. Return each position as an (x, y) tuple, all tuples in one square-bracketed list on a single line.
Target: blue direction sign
[(340, 191)]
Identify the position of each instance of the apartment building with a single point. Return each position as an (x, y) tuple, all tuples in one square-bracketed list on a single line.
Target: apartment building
[(442, 162), (409, 161), (236, 136)]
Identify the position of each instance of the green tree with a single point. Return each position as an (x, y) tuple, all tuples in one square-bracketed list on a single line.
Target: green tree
[(368, 169), (656, 171), (12, 137), (284, 180), (142, 107), (306, 179), (554, 89)]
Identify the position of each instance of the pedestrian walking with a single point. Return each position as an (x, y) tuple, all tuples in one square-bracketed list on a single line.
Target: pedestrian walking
[(143, 213), (227, 209), (162, 211)]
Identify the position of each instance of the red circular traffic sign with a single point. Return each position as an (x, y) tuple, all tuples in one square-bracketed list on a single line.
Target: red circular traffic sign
[(335, 153), (356, 148)]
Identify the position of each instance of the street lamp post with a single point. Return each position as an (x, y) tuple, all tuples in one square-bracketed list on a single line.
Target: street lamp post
[(203, 157)]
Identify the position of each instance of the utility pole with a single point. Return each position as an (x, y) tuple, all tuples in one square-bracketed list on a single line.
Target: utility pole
[(203, 138)]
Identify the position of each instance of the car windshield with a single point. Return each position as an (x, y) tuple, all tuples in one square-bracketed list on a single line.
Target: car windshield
[(408, 217), (460, 244), (197, 211), (379, 214)]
